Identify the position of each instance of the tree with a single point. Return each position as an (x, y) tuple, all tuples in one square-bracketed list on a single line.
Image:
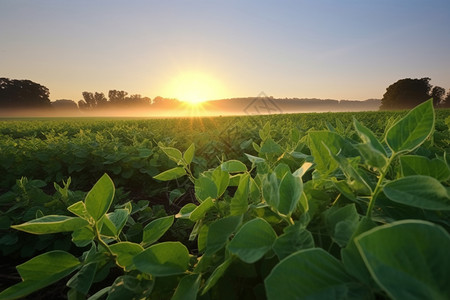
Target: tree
[(91, 100), (116, 97), (23, 94), (446, 101), (437, 93), (406, 93), (65, 104)]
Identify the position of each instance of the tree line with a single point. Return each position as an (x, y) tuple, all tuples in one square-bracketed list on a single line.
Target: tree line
[(25, 94)]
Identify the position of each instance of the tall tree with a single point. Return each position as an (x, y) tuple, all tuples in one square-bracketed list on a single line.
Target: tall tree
[(23, 94), (437, 93), (406, 93)]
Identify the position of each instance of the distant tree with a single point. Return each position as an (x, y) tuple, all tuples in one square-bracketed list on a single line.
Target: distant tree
[(446, 101), (437, 93), (117, 97), (23, 94), (92, 100), (65, 104), (406, 93)]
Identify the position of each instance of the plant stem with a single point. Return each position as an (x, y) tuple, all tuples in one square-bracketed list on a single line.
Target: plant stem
[(99, 239), (378, 188)]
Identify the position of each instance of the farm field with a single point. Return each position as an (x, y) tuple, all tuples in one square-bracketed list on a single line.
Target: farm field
[(317, 206)]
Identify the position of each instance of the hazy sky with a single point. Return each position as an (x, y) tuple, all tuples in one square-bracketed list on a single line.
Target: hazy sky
[(340, 49)]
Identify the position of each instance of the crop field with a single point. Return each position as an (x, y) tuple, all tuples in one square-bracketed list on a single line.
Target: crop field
[(296, 206)]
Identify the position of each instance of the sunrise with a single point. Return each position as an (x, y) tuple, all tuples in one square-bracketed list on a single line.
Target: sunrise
[(209, 150)]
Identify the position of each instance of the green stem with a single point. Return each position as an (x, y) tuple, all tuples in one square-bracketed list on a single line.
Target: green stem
[(378, 188), (99, 239)]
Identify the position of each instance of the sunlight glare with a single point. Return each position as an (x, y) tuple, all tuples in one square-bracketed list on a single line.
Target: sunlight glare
[(194, 88)]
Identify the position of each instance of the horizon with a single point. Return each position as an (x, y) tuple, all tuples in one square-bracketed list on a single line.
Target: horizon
[(209, 50)]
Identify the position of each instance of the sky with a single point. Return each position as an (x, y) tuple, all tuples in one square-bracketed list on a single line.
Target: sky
[(328, 49)]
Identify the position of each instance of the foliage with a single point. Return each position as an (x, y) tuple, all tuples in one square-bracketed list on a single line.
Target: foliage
[(337, 213), (23, 94), (406, 93)]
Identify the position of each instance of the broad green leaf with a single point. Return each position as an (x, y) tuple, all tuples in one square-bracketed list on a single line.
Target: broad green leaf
[(100, 197), (239, 202), (294, 238), (163, 259), (372, 156), (125, 251), (189, 154), (221, 179), (83, 279), (408, 259), (281, 169), (418, 191), (188, 287), (368, 137), (186, 211), (204, 188), (201, 210), (412, 130), (420, 165), (41, 271), (119, 218), (269, 146), (253, 240), (233, 166), (171, 174), (270, 189), (79, 209), (290, 190), (154, 230), (216, 275), (219, 232), (83, 236), (351, 258), (173, 153), (254, 159), (52, 224), (319, 142), (201, 237), (342, 223), (308, 274)]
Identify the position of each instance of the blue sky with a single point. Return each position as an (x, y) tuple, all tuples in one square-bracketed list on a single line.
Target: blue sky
[(349, 49)]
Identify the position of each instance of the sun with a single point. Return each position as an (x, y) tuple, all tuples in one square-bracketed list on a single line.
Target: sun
[(194, 87)]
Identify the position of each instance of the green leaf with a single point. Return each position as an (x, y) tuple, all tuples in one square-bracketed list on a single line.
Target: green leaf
[(295, 238), (233, 166), (100, 197), (163, 259), (254, 159), (171, 174), (216, 275), (41, 271), (125, 251), (420, 165), (221, 179), (342, 222), (189, 154), (418, 191), (79, 209), (253, 240), (83, 236), (154, 230), (408, 259), (188, 287), (173, 153), (290, 190), (185, 211), (219, 232), (308, 274), (201, 210), (204, 188), (412, 130), (368, 137), (52, 224), (83, 279), (269, 146), (319, 142), (239, 202), (372, 156), (270, 189)]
